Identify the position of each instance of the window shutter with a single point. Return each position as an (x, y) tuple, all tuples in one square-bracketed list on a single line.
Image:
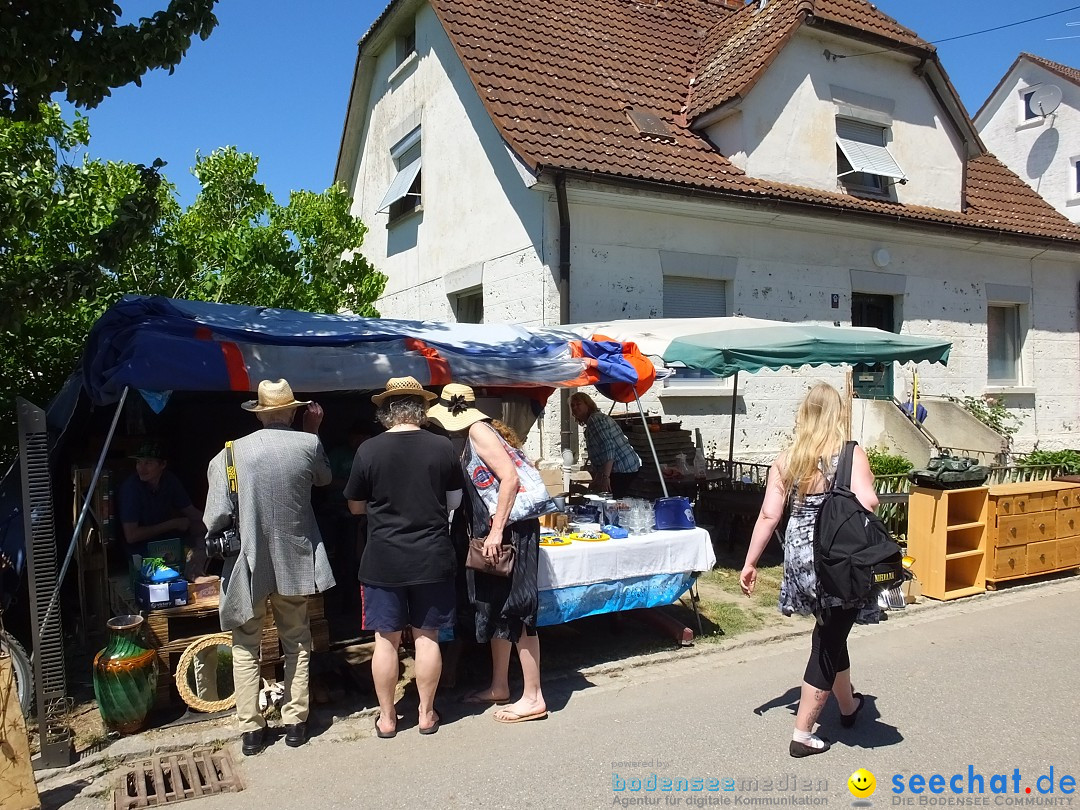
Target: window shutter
[(686, 297), (860, 131)]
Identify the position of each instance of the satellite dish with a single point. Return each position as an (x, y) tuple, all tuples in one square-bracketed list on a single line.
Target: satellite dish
[(1045, 99)]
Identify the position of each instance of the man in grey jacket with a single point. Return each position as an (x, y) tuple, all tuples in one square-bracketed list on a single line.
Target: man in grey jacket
[(281, 556)]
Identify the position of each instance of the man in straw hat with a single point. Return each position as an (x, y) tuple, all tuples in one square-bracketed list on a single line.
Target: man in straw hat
[(407, 481), (281, 556)]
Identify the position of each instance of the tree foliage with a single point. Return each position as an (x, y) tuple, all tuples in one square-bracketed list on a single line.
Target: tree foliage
[(76, 234), (81, 49)]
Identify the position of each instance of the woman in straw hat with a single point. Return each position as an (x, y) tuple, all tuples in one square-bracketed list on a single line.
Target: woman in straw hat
[(407, 481), (505, 606)]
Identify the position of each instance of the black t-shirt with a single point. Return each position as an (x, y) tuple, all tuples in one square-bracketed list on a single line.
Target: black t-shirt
[(404, 477)]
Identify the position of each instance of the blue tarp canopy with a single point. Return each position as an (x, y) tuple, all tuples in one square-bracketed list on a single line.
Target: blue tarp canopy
[(158, 345)]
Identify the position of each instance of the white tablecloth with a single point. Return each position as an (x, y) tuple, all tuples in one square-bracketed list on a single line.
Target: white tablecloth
[(667, 552)]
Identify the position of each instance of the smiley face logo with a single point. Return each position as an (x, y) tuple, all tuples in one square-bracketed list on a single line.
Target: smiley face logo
[(862, 784)]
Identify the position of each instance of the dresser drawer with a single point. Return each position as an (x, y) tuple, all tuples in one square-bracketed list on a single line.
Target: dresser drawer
[(1012, 531), (1069, 552), (1068, 522), (1043, 526), (1010, 561), (1068, 497), (1042, 557)]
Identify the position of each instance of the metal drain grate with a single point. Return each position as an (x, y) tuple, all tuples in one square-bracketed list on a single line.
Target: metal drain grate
[(172, 778)]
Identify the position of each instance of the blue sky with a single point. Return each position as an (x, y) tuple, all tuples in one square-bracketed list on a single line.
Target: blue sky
[(274, 77)]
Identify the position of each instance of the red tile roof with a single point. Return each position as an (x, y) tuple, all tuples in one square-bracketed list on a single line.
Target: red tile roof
[(1064, 71), (558, 76), (739, 47)]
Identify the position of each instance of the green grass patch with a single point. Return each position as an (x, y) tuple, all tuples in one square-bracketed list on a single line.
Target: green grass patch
[(729, 618)]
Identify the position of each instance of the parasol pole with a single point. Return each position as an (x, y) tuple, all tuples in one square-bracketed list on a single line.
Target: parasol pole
[(652, 447), (731, 436)]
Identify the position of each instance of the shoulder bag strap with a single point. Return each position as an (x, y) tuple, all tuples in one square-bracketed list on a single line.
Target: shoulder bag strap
[(230, 472), (843, 466)]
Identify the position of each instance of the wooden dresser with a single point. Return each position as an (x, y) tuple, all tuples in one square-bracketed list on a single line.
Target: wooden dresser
[(1033, 528)]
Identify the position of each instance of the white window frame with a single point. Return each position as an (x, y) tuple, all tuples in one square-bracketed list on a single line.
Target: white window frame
[(872, 169), (690, 382), (466, 299), (403, 196), (1019, 324), (1073, 191), (1022, 121)]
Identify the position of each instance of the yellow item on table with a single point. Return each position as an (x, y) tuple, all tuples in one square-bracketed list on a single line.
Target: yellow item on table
[(554, 540), (589, 537)]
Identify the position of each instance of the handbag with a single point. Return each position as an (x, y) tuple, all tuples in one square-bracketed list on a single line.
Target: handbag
[(502, 566), (532, 500)]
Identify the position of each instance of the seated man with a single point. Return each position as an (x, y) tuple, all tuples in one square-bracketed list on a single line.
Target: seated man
[(154, 506)]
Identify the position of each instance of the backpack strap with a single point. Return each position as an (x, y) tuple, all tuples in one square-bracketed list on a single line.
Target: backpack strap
[(843, 466)]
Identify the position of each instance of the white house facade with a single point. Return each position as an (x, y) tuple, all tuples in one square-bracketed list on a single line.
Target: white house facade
[(509, 172), (1031, 122)]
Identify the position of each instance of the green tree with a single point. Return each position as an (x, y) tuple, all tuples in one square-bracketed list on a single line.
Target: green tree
[(77, 234), (81, 49)]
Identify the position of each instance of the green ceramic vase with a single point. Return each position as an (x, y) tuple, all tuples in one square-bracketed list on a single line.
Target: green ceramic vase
[(125, 676)]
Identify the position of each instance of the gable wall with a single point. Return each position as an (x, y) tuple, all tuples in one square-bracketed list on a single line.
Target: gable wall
[(785, 129), (1040, 151), (479, 220)]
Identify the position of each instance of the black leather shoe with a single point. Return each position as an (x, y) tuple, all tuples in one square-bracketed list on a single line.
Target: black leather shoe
[(798, 749), (253, 742), (296, 735)]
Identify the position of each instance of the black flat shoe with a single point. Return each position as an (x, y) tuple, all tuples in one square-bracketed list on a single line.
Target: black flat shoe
[(798, 749), (252, 742), (296, 735), (848, 720)]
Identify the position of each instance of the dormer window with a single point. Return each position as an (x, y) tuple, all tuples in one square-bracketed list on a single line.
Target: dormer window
[(863, 162)]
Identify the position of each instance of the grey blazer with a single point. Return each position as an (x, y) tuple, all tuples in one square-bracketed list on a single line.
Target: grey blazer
[(281, 548)]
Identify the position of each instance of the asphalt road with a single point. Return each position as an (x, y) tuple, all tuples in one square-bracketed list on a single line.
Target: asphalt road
[(984, 686)]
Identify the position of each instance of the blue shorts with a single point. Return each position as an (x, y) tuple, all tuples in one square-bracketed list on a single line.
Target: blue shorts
[(430, 606)]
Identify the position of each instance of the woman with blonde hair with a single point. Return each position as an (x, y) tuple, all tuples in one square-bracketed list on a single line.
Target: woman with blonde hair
[(800, 477)]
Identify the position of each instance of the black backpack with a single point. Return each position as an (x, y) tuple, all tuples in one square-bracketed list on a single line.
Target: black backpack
[(854, 555)]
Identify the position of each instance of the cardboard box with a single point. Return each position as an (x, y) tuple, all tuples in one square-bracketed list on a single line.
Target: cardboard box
[(912, 591), (207, 590), (157, 595)]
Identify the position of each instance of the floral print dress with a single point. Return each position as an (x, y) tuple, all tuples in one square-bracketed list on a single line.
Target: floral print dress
[(799, 587)]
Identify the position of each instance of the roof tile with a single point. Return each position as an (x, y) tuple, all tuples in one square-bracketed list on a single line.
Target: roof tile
[(557, 77)]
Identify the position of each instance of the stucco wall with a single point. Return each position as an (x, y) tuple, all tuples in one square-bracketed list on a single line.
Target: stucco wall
[(785, 128), (1041, 151), (789, 270)]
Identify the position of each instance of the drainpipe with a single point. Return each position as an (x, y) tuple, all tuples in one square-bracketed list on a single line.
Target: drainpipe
[(568, 429)]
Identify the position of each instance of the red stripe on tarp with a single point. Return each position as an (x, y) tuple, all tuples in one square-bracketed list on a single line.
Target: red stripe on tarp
[(438, 368), (235, 366)]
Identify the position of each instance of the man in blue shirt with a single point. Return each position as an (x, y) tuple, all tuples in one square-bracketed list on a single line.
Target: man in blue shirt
[(154, 506), (614, 462)]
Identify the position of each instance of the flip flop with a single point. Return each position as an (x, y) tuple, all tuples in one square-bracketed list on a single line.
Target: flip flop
[(383, 735), (481, 698), (510, 716), (432, 728)]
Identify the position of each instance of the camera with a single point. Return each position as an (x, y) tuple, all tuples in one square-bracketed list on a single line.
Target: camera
[(223, 544)]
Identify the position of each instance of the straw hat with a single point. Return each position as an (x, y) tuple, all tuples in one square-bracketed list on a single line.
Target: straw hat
[(273, 396), (456, 408), (402, 387)]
